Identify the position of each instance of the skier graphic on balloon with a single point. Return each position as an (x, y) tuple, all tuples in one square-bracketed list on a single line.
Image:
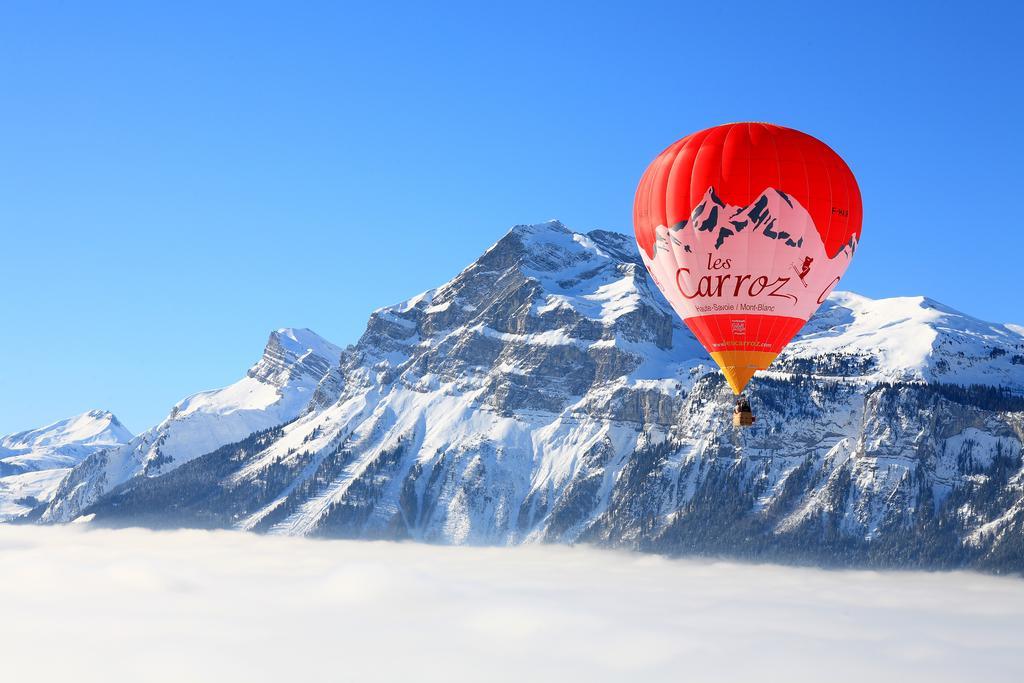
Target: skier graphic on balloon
[(805, 268)]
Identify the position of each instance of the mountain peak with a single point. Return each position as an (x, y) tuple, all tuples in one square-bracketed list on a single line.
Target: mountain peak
[(617, 245), (302, 340), (292, 352), (93, 427), (548, 246), (926, 302), (527, 229)]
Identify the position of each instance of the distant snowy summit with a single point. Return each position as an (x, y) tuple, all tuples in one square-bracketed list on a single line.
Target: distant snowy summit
[(33, 462), (548, 393), (912, 338)]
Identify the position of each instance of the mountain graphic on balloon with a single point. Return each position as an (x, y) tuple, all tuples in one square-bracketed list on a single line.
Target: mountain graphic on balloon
[(746, 228), (724, 221)]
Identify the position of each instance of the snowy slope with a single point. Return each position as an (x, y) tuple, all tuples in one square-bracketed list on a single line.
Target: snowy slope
[(913, 338), (33, 462), (274, 391)]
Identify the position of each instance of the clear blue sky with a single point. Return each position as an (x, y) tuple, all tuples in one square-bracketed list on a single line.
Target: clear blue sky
[(178, 179)]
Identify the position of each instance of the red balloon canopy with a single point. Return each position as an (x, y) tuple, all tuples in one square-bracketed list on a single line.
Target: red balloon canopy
[(746, 227)]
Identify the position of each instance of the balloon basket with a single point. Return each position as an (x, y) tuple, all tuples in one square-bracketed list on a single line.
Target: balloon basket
[(743, 419), (742, 416)]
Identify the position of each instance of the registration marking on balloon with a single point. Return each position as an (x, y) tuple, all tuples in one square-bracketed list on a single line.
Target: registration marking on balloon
[(745, 279)]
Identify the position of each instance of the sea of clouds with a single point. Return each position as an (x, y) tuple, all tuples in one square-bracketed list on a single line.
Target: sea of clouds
[(80, 604)]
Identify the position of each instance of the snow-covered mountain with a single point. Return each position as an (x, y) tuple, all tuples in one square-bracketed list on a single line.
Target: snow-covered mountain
[(548, 393), (277, 389), (33, 462), (905, 339)]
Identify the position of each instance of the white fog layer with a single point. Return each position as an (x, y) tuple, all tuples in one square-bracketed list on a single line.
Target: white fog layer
[(97, 605)]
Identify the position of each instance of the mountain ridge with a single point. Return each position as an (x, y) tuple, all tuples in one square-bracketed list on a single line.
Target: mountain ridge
[(549, 393), (275, 390)]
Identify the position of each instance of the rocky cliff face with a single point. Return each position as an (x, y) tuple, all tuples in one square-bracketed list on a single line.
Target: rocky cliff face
[(548, 393)]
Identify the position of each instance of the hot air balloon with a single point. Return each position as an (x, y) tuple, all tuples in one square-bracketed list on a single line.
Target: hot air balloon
[(746, 228)]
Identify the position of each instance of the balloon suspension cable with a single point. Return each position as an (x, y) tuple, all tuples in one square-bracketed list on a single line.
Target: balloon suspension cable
[(737, 443), (736, 433)]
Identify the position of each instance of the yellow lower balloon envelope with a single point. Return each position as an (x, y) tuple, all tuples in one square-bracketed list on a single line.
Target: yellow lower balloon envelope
[(740, 366)]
